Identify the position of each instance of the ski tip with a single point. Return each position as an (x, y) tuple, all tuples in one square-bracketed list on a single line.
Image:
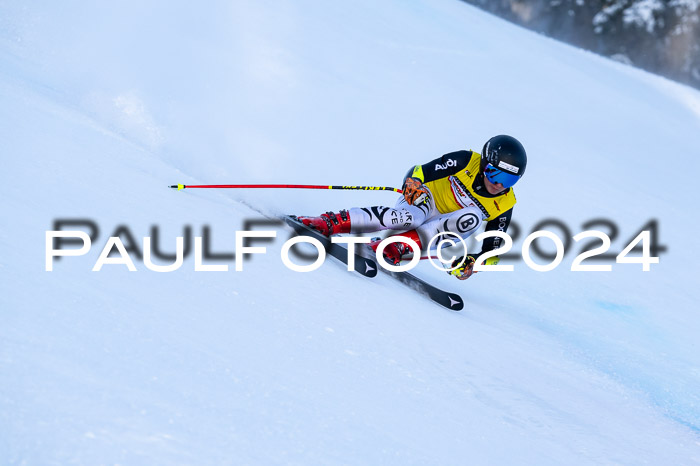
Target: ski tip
[(456, 303), (178, 186), (370, 269)]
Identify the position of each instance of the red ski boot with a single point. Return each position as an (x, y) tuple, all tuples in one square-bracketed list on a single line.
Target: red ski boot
[(394, 252), (329, 223)]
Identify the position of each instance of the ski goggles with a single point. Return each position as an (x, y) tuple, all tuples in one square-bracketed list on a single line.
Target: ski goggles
[(496, 175)]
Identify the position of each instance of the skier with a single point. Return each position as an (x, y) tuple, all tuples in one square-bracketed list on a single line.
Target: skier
[(454, 193)]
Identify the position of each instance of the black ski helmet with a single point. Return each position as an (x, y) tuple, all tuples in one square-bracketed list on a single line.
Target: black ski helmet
[(504, 153)]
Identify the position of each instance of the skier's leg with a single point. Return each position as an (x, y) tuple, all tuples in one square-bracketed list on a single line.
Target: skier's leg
[(403, 216), (463, 223)]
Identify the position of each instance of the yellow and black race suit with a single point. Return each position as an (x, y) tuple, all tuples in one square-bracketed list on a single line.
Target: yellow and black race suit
[(455, 183)]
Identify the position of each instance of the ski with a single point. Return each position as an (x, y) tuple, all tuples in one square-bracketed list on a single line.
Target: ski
[(451, 301), (366, 265), (363, 265)]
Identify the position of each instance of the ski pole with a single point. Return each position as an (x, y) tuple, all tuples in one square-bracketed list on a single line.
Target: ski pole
[(292, 186)]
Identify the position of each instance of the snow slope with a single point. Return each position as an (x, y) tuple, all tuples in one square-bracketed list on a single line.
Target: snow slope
[(102, 106)]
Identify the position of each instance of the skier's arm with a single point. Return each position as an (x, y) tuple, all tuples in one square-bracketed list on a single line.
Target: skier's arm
[(465, 264), (499, 223), (448, 164), (414, 190)]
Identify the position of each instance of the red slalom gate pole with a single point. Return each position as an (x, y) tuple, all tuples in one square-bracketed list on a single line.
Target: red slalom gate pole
[(284, 186)]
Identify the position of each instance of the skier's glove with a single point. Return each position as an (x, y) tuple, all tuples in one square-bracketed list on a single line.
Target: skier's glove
[(414, 191), (465, 270)]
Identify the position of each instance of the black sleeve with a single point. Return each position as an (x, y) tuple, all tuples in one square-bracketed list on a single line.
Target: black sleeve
[(499, 223), (448, 164)]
